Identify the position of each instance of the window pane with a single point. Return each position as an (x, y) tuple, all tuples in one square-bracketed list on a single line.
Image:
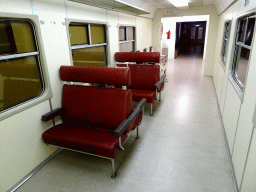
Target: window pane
[(122, 34), (130, 33), (227, 30), (19, 81), (241, 30), (78, 34), (98, 34), (23, 36), (16, 37), (249, 32), (224, 51), (5, 46), (93, 56), (127, 47), (242, 64)]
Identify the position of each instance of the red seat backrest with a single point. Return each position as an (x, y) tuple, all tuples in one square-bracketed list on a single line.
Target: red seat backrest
[(140, 57), (96, 105), (104, 107), (144, 76)]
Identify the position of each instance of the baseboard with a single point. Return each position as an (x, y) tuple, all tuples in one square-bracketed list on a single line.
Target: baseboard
[(34, 171)]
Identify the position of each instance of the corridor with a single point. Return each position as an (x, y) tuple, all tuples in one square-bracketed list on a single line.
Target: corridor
[(181, 148)]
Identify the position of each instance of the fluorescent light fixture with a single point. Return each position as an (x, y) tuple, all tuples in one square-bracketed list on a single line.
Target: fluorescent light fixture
[(179, 3), (197, 25)]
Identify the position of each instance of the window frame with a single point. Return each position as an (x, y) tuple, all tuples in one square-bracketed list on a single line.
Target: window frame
[(43, 69), (238, 44), (89, 45), (126, 36), (226, 41)]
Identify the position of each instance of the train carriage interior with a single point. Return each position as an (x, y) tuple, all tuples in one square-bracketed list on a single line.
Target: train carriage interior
[(124, 95)]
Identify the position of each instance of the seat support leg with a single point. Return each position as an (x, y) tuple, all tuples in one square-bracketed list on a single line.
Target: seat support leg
[(151, 109), (113, 169), (137, 137), (120, 143), (160, 96)]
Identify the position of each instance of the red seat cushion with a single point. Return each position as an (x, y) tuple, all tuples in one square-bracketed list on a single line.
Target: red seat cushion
[(85, 139), (138, 94)]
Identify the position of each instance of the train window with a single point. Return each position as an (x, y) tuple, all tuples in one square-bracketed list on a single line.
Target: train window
[(127, 38), (88, 44), (20, 71), (244, 37), (225, 42)]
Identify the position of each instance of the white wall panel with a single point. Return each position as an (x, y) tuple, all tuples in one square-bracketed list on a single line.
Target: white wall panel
[(230, 14), (242, 9), (85, 12), (220, 83), (231, 114), (144, 31), (245, 126), (14, 6), (21, 144), (249, 179), (55, 42)]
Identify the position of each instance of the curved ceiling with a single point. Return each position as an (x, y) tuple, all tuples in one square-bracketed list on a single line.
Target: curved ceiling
[(147, 8)]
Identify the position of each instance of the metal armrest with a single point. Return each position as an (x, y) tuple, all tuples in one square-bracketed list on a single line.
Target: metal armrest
[(121, 128), (52, 114), (158, 83), (137, 110), (125, 124)]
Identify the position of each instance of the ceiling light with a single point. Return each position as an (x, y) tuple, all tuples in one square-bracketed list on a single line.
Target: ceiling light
[(179, 3)]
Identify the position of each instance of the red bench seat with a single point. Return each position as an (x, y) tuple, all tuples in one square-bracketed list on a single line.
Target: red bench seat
[(96, 120)]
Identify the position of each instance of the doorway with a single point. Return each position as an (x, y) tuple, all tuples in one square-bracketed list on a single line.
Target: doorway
[(190, 39)]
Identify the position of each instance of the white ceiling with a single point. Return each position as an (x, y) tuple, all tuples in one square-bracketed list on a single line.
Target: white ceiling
[(138, 7)]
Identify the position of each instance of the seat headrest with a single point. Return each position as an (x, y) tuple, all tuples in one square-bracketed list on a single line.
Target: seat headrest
[(98, 75), (139, 57)]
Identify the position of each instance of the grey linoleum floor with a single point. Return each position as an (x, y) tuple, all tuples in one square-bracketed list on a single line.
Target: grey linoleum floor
[(181, 148)]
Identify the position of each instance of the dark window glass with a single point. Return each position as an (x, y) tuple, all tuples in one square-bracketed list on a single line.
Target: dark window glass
[(16, 37), (225, 42), (243, 48), (20, 80), (130, 33), (88, 36), (242, 64), (249, 31), (227, 30), (241, 30), (98, 34), (78, 34), (122, 34), (127, 47), (127, 34), (91, 56)]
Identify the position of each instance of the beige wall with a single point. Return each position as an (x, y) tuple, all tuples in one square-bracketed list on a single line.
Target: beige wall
[(212, 31), (21, 145)]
